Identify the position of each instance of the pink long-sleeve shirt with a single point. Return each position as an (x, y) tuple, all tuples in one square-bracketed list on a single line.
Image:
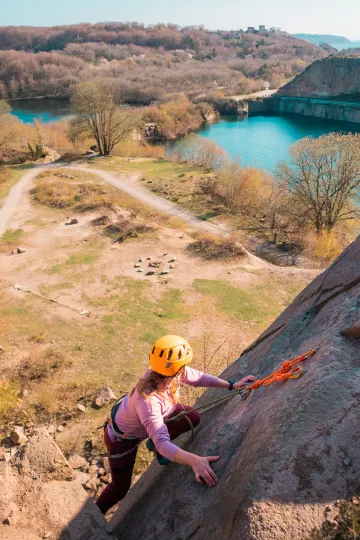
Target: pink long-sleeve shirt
[(143, 417)]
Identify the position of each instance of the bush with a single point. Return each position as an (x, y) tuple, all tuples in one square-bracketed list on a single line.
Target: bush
[(66, 194), (177, 118), (211, 248), (323, 247), (125, 229), (199, 151), (35, 368)]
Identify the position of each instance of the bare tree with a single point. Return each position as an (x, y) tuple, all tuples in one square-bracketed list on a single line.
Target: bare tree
[(100, 115), (325, 178)]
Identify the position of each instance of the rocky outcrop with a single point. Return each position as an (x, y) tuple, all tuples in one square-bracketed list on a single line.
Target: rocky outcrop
[(41, 497), (328, 88), (228, 106), (288, 452), (326, 78), (320, 108)]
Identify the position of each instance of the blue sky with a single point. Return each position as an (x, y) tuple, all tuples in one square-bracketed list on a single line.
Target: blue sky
[(309, 16)]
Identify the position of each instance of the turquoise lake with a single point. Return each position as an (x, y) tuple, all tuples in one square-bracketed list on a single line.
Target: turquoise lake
[(49, 110), (259, 141), (264, 141)]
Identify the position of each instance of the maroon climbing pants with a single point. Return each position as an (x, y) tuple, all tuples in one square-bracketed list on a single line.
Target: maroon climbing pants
[(122, 468)]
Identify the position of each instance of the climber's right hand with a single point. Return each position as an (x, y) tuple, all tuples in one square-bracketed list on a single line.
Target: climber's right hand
[(203, 471)]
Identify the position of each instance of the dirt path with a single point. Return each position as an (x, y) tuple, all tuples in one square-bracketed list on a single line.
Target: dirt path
[(254, 95), (13, 198), (124, 183)]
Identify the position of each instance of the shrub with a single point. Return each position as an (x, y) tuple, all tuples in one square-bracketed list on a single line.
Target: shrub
[(125, 229), (177, 118), (211, 248), (199, 151), (66, 194), (324, 247), (243, 189), (35, 368)]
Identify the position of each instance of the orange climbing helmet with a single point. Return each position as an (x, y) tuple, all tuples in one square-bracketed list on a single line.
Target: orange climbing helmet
[(169, 354)]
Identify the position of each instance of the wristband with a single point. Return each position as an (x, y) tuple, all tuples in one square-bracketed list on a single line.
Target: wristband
[(231, 382)]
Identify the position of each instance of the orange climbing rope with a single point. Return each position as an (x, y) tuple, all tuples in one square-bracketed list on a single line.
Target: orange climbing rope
[(288, 370)]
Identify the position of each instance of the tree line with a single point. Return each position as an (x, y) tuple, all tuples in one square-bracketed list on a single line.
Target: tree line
[(147, 63)]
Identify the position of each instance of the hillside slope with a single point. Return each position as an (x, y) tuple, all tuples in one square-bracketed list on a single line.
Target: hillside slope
[(317, 39), (147, 62), (330, 77), (286, 454)]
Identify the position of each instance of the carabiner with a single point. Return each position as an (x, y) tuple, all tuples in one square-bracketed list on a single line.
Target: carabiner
[(296, 372)]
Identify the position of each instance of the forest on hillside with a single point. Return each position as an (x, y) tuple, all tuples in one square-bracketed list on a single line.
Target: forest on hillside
[(148, 63)]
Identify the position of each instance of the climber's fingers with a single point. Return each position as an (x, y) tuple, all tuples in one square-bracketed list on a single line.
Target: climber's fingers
[(198, 479), (203, 471), (243, 382), (209, 479)]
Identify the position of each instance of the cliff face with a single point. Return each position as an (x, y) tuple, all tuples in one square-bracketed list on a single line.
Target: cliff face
[(320, 108), (330, 77), (289, 451)]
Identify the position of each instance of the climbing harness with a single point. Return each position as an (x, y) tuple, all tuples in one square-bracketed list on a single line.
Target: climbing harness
[(80, 311), (288, 370)]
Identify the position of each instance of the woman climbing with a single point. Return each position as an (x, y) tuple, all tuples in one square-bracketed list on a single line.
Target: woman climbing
[(142, 413)]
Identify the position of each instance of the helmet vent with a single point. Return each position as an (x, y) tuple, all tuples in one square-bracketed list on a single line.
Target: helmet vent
[(161, 353), (153, 350), (180, 354), (169, 354)]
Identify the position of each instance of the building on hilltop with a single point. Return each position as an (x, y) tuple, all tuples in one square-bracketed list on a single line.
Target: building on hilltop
[(251, 29), (262, 27)]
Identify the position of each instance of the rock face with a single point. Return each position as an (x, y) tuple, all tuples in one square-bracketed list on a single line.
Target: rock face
[(341, 111), (230, 106), (328, 88), (329, 77), (289, 451), (40, 498)]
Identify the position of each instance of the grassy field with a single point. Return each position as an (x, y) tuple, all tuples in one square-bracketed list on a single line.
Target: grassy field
[(52, 358)]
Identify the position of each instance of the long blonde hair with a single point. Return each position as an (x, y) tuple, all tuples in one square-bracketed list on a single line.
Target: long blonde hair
[(152, 383)]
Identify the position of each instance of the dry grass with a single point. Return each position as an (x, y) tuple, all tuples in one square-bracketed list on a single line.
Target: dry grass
[(124, 229), (212, 248), (38, 367), (84, 191), (345, 525), (81, 191)]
